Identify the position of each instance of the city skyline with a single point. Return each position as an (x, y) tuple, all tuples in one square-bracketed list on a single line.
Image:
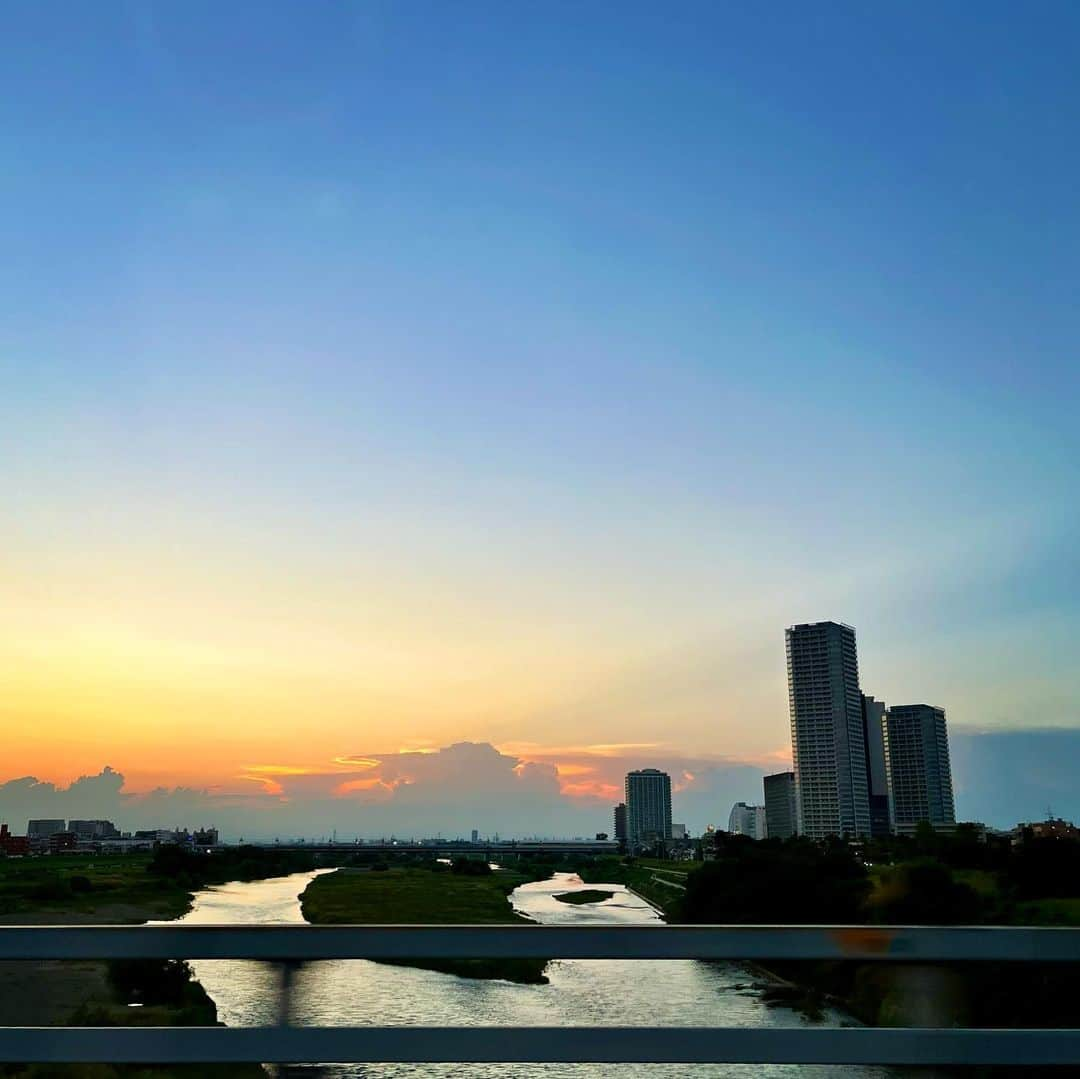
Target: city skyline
[(830, 718), (1000, 779), (516, 393)]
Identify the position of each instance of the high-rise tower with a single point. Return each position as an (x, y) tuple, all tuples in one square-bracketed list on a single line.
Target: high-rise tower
[(827, 739), (648, 808), (781, 810), (877, 778), (920, 775)]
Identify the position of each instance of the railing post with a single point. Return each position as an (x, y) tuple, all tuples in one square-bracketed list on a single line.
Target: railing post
[(285, 987)]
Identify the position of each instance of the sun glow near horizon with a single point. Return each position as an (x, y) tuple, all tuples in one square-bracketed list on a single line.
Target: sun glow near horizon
[(526, 408)]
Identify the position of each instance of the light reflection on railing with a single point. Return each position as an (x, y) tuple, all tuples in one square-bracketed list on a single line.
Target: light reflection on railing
[(910, 946)]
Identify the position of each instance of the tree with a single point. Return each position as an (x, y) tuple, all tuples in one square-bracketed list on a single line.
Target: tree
[(773, 881)]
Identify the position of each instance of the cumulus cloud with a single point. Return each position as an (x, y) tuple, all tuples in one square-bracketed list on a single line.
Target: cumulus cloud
[(450, 790), (1000, 777)]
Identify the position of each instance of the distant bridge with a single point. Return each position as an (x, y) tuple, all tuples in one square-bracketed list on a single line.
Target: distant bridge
[(447, 848)]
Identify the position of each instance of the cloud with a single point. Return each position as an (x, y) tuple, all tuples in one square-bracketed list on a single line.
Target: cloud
[(1006, 776), (1000, 776)]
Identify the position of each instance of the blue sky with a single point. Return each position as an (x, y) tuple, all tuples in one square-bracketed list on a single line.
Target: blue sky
[(549, 359)]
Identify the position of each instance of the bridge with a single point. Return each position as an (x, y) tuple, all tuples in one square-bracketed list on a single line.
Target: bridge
[(281, 1044), (455, 847)]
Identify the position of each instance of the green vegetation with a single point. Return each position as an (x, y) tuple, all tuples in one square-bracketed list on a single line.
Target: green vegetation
[(126, 888), (660, 883), (129, 888), (1048, 912), (434, 894), (89, 887), (585, 895), (930, 880), (197, 869), (765, 882), (678, 869), (167, 996)]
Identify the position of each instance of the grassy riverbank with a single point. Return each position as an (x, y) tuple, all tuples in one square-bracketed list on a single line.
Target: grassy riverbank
[(128, 889), (416, 896), (88, 888), (116, 889), (166, 996), (660, 883)]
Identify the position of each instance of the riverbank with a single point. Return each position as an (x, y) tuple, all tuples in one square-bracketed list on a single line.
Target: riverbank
[(74, 890), (88, 889), (127, 889), (661, 884), (131, 993), (435, 896)]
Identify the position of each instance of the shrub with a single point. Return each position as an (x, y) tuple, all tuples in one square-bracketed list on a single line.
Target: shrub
[(924, 893), (768, 881), (471, 867), (150, 981)]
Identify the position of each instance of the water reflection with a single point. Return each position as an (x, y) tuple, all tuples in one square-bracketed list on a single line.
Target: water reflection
[(582, 992)]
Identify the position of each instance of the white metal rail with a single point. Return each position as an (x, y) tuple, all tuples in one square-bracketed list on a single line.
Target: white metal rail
[(284, 1044)]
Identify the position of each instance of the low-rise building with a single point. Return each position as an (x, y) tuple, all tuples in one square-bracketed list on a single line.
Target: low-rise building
[(1051, 828), (39, 831), (620, 825), (63, 842), (709, 844), (89, 831), (13, 846)]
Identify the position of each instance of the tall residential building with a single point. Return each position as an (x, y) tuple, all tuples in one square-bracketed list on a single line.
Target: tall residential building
[(648, 808), (917, 756), (620, 825), (781, 809), (747, 820), (827, 730), (877, 776)]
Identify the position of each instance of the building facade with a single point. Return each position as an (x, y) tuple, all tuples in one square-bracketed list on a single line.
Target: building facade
[(747, 820), (620, 825), (877, 773), (42, 829), (89, 830), (781, 810), (827, 741), (919, 771), (648, 808), (13, 846)]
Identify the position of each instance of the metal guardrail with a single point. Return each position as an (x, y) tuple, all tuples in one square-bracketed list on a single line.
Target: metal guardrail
[(679, 1045), (909, 943)]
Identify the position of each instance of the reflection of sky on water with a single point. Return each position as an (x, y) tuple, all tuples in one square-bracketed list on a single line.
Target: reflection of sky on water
[(580, 992)]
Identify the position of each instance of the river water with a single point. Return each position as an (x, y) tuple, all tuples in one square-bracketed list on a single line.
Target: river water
[(582, 992)]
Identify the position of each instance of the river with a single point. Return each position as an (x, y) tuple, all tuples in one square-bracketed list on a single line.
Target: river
[(581, 992)]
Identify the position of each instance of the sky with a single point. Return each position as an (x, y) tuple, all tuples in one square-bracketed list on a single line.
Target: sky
[(379, 379)]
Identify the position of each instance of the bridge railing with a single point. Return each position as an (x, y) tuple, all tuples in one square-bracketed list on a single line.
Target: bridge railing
[(608, 1044)]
